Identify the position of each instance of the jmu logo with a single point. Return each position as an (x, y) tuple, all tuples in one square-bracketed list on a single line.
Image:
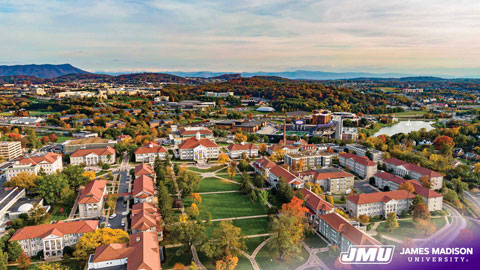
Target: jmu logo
[(365, 254)]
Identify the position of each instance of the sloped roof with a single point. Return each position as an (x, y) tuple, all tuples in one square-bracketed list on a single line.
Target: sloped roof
[(247, 146), (279, 171), (192, 132), (331, 175), (143, 169), (93, 192), (380, 197), (145, 216), (412, 167), (104, 151), (351, 233), (143, 187), (365, 161), (390, 177), (314, 201), (265, 163), (193, 142), (60, 229), (150, 148), (48, 158)]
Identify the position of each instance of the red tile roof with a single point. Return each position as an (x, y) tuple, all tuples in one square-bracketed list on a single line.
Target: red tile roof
[(365, 161), (265, 163), (413, 167), (314, 201), (203, 131), (142, 252), (93, 192), (143, 187), (150, 148), (105, 151), (145, 216), (390, 177), (331, 175), (419, 189), (380, 197), (279, 171), (49, 158), (351, 233), (247, 146), (59, 229), (143, 169), (193, 142)]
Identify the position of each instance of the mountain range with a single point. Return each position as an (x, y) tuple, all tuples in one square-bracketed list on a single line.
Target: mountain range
[(48, 71), (40, 71)]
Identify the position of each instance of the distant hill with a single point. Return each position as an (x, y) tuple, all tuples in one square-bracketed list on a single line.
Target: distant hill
[(40, 71)]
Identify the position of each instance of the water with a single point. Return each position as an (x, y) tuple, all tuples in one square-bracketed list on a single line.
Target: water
[(405, 127)]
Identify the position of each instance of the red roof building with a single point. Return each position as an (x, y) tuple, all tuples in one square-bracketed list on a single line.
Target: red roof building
[(92, 156), (143, 190)]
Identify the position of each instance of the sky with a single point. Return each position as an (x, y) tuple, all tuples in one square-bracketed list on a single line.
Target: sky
[(404, 36)]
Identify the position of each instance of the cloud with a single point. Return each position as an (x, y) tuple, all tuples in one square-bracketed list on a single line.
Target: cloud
[(244, 35)]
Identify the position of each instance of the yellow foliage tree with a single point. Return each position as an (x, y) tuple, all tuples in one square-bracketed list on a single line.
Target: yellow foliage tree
[(223, 159), (193, 210), (179, 266), (329, 199), (24, 180), (90, 174), (240, 137), (87, 244), (314, 187), (227, 263), (197, 198), (50, 266)]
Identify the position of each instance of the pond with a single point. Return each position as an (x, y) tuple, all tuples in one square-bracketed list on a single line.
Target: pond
[(405, 127)]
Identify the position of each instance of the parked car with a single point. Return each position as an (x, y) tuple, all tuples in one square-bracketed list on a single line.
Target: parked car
[(113, 216)]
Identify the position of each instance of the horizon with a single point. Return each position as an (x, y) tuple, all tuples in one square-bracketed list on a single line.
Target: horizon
[(430, 37)]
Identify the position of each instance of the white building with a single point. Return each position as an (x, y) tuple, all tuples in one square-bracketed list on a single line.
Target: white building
[(90, 202), (362, 151), (379, 203), (362, 166), (237, 150), (93, 156), (52, 238), (49, 163), (198, 149), (150, 152), (402, 168)]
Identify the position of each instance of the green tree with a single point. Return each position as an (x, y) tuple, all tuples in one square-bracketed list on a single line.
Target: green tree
[(75, 176), (188, 232), (165, 202), (285, 191), (288, 232), (14, 250), (51, 187), (227, 240), (37, 215), (3, 260)]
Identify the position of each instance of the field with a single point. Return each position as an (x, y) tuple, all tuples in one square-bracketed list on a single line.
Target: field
[(292, 133), (211, 169), (266, 261), (228, 205), (250, 226), (211, 184), (407, 228)]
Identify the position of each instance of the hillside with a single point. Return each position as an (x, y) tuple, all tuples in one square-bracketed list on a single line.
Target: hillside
[(40, 71)]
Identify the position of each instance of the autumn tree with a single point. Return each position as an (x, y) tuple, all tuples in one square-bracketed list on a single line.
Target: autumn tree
[(227, 263), (288, 230), (197, 198), (52, 137), (408, 186), (392, 222), (426, 226), (329, 199), (23, 261), (90, 175), (223, 159), (364, 219), (421, 212), (262, 148), (87, 244), (314, 187), (425, 180), (51, 266), (24, 180), (443, 143), (193, 211), (240, 137), (179, 266)]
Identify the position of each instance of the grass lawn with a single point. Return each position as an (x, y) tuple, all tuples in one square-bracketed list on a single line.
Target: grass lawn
[(266, 261), (211, 169), (410, 113), (226, 205), (61, 139), (222, 171), (407, 228), (171, 258), (250, 226), (236, 178), (71, 264), (210, 184), (243, 263), (56, 214), (314, 241), (253, 243)]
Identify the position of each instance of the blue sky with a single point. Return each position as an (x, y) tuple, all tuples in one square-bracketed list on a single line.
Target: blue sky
[(422, 36)]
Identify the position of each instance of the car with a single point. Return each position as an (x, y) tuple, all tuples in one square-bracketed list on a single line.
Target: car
[(109, 225), (123, 223), (113, 216)]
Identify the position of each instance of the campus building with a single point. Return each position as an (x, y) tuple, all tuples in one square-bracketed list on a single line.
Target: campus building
[(49, 163), (362, 166), (90, 202), (92, 156), (198, 149), (379, 203), (333, 180), (402, 168)]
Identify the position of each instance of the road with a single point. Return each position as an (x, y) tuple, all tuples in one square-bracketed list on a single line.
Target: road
[(445, 236), (474, 199), (124, 186)]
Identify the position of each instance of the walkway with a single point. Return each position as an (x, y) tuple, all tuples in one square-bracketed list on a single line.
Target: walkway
[(235, 218), (313, 260)]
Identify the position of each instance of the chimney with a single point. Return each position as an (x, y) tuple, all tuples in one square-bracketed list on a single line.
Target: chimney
[(284, 132)]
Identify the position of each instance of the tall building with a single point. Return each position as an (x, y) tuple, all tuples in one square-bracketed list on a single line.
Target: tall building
[(362, 166), (10, 150), (379, 203)]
